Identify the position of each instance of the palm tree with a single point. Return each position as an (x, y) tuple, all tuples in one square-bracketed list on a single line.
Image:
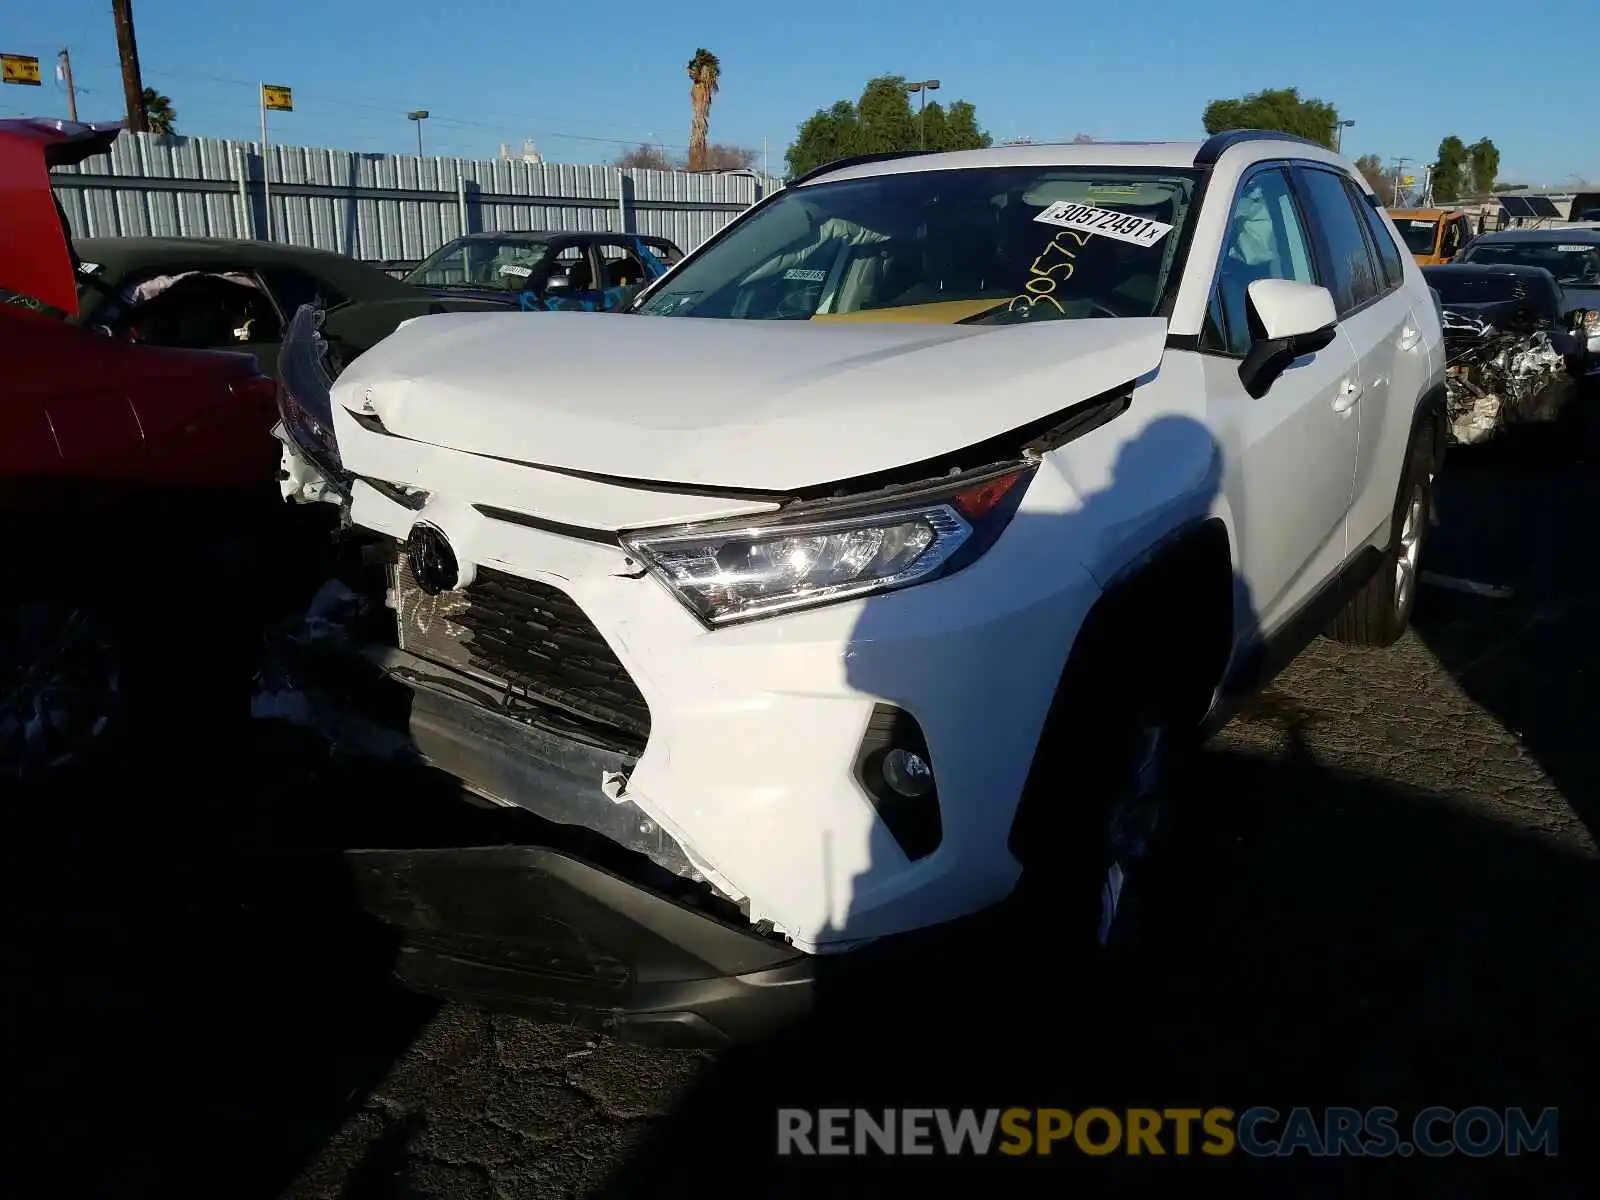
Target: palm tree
[(704, 72), (159, 115)]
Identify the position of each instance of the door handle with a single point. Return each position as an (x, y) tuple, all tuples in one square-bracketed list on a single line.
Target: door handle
[(1409, 338), (1349, 393)]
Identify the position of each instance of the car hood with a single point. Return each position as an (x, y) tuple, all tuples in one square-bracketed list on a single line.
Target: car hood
[(765, 405), (35, 254)]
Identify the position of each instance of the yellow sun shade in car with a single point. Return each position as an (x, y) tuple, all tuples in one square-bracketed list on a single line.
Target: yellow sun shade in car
[(940, 312)]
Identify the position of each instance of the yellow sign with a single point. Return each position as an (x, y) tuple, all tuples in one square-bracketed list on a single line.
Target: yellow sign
[(19, 68), (1407, 180), (277, 96)]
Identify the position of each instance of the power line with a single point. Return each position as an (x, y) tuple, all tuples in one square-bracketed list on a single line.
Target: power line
[(501, 121)]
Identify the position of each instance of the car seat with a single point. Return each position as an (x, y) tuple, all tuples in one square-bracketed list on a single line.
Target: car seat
[(623, 272), (580, 276)]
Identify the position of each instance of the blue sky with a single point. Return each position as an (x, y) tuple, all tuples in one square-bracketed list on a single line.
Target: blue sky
[(584, 81)]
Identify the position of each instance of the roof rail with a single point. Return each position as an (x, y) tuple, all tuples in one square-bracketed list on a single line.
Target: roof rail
[(1217, 143), (855, 160)]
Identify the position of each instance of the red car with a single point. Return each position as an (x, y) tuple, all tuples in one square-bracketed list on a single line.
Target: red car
[(121, 466)]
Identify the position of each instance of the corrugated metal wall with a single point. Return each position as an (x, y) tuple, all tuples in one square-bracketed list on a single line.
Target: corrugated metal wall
[(377, 206)]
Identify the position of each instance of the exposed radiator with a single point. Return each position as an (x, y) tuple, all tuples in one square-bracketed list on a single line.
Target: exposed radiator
[(529, 639)]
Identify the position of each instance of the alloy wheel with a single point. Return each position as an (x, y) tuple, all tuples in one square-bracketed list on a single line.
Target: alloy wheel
[(1137, 816), (1408, 563)]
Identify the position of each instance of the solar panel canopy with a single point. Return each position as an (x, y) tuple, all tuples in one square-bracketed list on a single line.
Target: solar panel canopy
[(1543, 206), (1516, 206)]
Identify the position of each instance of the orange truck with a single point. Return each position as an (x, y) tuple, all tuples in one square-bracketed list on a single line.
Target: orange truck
[(1433, 235)]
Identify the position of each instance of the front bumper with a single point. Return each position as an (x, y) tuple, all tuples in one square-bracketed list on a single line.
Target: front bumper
[(537, 932), (758, 734)]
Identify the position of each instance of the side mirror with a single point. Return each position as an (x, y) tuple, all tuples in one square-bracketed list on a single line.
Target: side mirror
[(558, 285), (1296, 319)]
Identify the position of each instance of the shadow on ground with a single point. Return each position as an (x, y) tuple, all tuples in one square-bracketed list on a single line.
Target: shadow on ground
[(1334, 942)]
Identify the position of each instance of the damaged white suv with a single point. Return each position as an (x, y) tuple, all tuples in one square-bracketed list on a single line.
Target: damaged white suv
[(889, 550)]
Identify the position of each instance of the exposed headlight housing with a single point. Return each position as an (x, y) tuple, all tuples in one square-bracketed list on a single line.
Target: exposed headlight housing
[(821, 553)]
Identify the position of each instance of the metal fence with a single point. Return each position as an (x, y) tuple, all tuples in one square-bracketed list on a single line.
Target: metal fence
[(378, 207)]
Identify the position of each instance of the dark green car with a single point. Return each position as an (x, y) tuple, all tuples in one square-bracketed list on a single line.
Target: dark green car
[(210, 294)]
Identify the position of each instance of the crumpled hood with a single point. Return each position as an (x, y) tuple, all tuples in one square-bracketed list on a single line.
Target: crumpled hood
[(35, 254), (766, 405)]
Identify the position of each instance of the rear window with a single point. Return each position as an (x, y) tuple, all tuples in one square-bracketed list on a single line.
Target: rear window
[(1454, 288), (1574, 264)]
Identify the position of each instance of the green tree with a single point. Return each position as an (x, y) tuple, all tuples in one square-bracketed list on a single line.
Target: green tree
[(961, 130), (881, 121), (159, 115), (1450, 170), (826, 135), (1280, 109), (1483, 162)]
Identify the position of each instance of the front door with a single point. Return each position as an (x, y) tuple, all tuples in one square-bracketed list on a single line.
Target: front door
[(1289, 457)]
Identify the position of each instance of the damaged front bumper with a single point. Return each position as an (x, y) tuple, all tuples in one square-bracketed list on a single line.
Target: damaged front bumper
[(538, 932), (595, 917)]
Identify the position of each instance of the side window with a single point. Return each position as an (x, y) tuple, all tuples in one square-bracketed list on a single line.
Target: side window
[(1454, 235), (1389, 257), (621, 266), (573, 262), (201, 311), (295, 288), (1354, 279), (1266, 239)]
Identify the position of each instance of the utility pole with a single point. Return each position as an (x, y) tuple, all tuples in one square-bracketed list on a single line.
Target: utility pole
[(128, 52), (66, 77), (1399, 170)]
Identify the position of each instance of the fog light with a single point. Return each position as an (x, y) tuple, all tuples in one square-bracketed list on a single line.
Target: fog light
[(895, 770), (907, 773)]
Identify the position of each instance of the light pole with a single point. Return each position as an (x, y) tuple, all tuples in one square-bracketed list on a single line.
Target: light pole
[(922, 87), (419, 116), (1338, 135)]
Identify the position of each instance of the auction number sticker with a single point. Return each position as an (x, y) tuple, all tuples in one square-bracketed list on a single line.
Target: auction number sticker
[(804, 275), (1107, 222), (520, 272), (1576, 248)]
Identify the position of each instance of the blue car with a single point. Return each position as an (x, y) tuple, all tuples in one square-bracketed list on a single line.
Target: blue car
[(543, 271)]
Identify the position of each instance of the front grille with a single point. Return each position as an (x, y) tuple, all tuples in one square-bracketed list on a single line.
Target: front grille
[(528, 638)]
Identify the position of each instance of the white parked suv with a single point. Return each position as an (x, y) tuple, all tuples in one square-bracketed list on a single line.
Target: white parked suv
[(888, 552)]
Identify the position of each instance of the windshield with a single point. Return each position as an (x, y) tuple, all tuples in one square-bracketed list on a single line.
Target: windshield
[(1574, 264), (1456, 288), (506, 263), (987, 245), (1417, 234)]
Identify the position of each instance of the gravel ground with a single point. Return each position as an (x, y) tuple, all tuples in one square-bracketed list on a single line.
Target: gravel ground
[(1390, 898)]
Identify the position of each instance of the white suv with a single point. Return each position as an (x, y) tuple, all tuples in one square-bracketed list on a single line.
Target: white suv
[(1001, 476)]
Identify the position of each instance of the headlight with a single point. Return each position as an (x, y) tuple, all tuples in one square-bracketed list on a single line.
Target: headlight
[(829, 551)]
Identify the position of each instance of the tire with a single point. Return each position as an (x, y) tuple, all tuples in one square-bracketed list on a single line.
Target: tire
[(1380, 613), (1093, 853), (64, 690)]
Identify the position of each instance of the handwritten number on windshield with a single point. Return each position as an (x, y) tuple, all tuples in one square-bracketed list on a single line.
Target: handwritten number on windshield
[(1054, 265)]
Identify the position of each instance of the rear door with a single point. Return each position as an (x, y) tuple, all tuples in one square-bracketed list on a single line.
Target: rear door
[(1375, 318)]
